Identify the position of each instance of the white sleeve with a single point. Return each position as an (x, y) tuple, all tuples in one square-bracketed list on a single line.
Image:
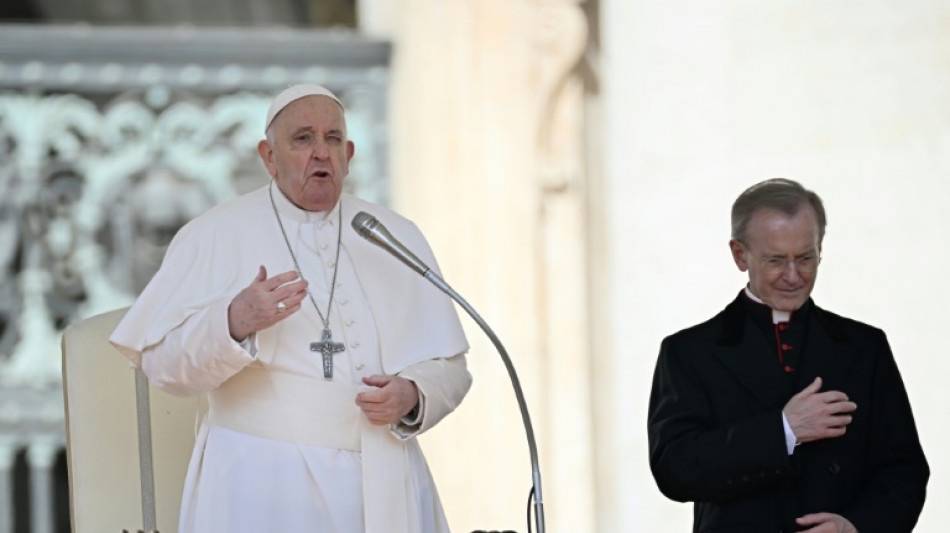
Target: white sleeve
[(442, 384), (790, 440), (198, 355)]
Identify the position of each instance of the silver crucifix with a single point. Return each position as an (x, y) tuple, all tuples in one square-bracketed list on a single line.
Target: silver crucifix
[(327, 348)]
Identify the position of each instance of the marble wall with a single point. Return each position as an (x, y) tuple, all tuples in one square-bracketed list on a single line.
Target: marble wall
[(706, 97)]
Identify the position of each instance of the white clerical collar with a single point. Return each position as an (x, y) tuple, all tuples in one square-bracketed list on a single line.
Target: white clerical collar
[(777, 316), (289, 210)]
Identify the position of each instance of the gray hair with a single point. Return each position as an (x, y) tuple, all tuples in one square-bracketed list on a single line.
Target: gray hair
[(780, 194)]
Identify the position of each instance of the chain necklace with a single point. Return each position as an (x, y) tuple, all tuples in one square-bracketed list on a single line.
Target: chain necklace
[(325, 346)]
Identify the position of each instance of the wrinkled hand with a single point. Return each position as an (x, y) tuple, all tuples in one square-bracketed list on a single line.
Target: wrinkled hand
[(814, 415), (255, 307), (394, 398), (826, 523)]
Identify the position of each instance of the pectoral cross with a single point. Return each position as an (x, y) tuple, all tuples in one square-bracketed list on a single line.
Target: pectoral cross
[(327, 348)]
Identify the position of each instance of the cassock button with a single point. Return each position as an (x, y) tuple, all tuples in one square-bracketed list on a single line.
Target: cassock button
[(786, 346), (330, 264), (788, 369), (782, 326), (355, 344), (350, 322), (359, 366), (323, 246), (834, 468)]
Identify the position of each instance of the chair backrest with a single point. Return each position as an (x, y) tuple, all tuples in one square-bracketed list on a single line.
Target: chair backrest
[(103, 456)]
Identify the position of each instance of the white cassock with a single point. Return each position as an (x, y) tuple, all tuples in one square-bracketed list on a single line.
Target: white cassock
[(282, 448)]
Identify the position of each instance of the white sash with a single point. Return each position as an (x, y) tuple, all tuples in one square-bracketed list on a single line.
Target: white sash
[(314, 412), (288, 407)]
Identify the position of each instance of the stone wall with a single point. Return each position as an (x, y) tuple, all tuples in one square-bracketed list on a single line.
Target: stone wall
[(704, 98)]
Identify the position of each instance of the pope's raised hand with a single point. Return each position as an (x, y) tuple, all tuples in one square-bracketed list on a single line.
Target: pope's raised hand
[(265, 302)]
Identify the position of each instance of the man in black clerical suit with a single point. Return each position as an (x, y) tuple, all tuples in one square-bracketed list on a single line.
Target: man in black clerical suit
[(777, 415)]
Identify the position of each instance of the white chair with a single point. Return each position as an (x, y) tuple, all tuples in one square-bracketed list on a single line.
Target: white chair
[(127, 443)]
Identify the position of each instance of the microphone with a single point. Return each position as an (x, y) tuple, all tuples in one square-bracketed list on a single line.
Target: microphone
[(373, 230)]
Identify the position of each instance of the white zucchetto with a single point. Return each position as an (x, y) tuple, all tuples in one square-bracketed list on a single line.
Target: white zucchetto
[(293, 93)]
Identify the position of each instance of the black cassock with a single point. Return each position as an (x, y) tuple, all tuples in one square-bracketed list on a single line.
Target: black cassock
[(716, 432)]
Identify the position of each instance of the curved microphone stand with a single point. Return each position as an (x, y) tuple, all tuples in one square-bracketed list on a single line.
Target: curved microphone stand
[(532, 447), (372, 230)]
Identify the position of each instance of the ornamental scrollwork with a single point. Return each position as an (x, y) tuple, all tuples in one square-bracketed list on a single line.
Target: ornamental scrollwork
[(91, 193)]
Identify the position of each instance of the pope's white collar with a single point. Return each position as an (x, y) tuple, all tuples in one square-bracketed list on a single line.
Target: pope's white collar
[(288, 209)]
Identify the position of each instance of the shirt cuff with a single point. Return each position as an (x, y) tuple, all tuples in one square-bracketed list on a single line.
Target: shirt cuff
[(250, 344), (414, 417), (790, 440)]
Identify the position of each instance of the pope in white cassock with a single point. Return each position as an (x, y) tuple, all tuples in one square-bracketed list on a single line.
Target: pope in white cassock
[(321, 355)]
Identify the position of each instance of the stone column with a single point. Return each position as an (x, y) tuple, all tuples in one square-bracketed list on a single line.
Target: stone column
[(41, 455), (488, 158), (7, 458), (559, 35)]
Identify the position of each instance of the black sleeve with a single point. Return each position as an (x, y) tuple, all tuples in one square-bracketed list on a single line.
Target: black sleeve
[(893, 496), (694, 456)]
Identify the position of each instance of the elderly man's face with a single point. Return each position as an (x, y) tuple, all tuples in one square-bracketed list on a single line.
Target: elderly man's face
[(781, 254), (310, 154)]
